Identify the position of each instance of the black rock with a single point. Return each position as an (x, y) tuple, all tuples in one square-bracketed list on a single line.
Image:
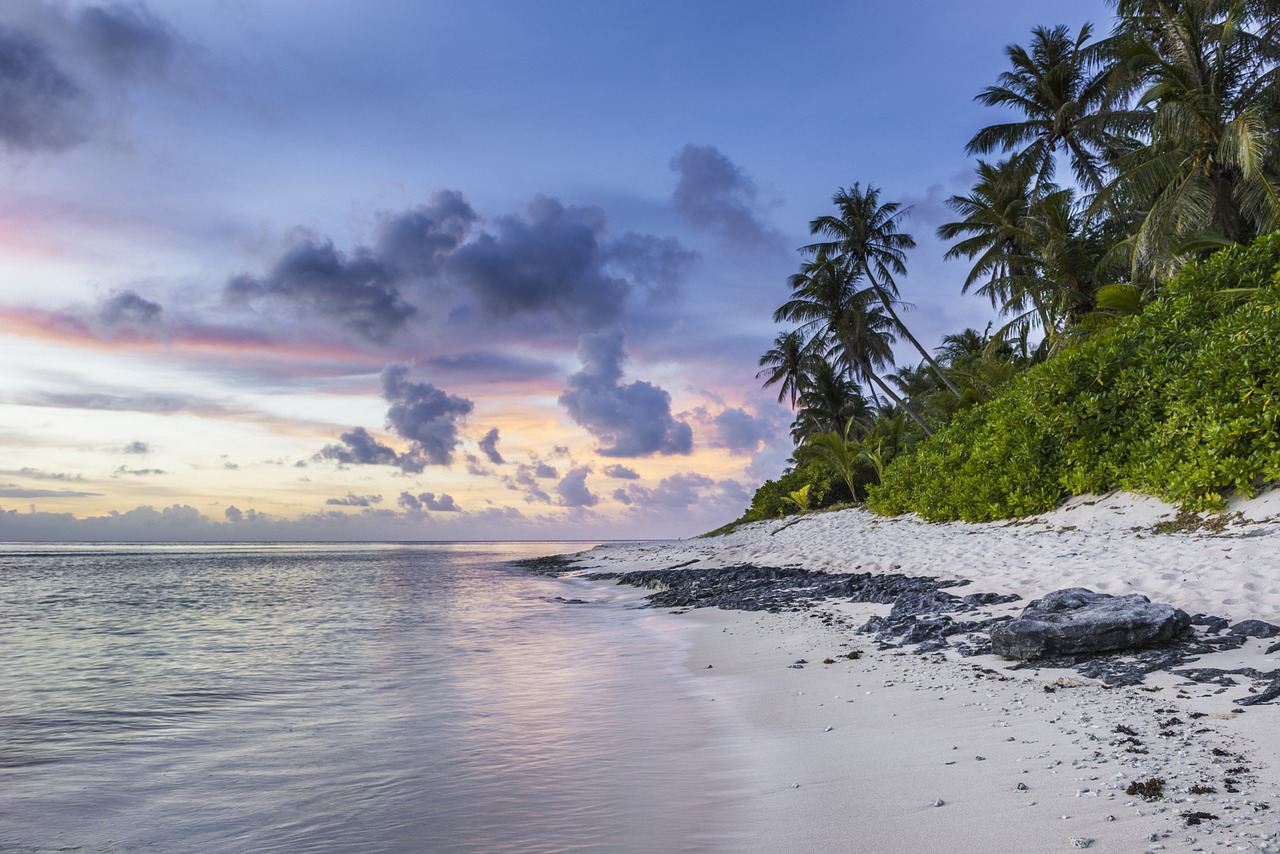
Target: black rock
[(1255, 629), (1077, 621)]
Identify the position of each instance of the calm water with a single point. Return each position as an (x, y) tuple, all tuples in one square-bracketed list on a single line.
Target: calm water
[(339, 698)]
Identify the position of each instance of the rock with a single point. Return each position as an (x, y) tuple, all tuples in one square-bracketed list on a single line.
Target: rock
[(1077, 621), (1255, 629), (1081, 842)]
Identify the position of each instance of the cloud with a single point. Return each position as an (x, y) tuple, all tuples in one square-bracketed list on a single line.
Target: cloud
[(127, 312), (629, 420), (125, 470), (11, 490), (489, 445), (61, 69), (424, 414), (621, 472), (357, 291), (555, 260), (41, 106), (487, 366), (41, 474), (428, 501), (716, 195), (137, 447), (573, 490), (739, 431), (353, 500), (683, 490), (362, 449), (125, 39), (418, 241), (526, 480)]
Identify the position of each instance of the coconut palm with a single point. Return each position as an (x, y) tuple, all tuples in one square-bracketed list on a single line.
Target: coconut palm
[(846, 320), (866, 240), (786, 365), (1205, 72), (1061, 99), (828, 401)]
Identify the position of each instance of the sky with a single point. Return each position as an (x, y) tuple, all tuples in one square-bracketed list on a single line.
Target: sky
[(419, 270)]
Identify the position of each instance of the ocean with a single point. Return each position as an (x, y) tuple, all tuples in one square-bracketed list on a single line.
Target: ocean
[(342, 698)]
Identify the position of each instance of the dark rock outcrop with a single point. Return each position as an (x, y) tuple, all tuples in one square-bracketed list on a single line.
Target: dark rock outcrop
[(1077, 621)]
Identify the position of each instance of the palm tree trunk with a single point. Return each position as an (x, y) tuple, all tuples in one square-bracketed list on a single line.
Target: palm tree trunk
[(937, 369), (902, 404)]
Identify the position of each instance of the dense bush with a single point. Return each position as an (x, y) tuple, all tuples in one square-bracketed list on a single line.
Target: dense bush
[(1180, 401)]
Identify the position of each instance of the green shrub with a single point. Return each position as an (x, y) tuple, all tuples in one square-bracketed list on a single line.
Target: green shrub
[(1180, 401), (770, 500)]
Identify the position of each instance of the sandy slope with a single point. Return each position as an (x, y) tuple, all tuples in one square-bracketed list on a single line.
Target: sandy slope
[(896, 751)]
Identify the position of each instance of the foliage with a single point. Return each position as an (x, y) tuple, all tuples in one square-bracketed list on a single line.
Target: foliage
[(772, 498), (1181, 401)]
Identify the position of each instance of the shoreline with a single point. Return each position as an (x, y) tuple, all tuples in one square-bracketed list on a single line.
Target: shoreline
[(900, 749)]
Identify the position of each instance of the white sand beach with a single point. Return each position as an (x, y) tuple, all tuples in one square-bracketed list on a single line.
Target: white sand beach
[(900, 751)]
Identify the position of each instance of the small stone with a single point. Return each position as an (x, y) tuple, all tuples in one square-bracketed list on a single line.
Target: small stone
[(939, 802), (829, 729), (1081, 842), (795, 785), (980, 759), (1022, 787)]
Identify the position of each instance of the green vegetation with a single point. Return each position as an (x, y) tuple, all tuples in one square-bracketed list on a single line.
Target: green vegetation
[(1181, 401), (1137, 346)]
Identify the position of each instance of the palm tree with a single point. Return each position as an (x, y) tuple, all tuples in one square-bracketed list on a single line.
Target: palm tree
[(995, 230), (1061, 99), (845, 320), (786, 365), (865, 238), (1206, 74), (829, 401)]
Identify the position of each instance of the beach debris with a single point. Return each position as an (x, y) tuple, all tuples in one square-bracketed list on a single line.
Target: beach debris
[(939, 802), (1077, 621), (1081, 842), (1151, 789)]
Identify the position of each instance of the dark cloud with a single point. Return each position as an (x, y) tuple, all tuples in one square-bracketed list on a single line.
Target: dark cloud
[(362, 449), (573, 490), (233, 514), (716, 195), (125, 39), (739, 431), (424, 414), (127, 311), (41, 106), (621, 472), (418, 241), (353, 500), (629, 420), (543, 470), (137, 472), (556, 261), (489, 446), (358, 291), (548, 261), (475, 467), (137, 447), (428, 501)]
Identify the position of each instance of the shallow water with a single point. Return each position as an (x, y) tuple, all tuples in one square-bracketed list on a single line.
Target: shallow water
[(379, 698)]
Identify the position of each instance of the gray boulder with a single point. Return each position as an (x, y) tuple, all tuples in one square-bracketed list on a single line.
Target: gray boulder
[(1077, 621)]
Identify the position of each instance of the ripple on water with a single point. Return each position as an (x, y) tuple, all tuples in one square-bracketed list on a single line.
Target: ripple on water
[(312, 699)]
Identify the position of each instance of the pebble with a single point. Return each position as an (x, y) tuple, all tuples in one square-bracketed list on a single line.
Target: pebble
[(1081, 842), (939, 802)]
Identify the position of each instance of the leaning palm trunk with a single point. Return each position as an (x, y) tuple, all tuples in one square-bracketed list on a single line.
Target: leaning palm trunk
[(902, 404), (929, 360)]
